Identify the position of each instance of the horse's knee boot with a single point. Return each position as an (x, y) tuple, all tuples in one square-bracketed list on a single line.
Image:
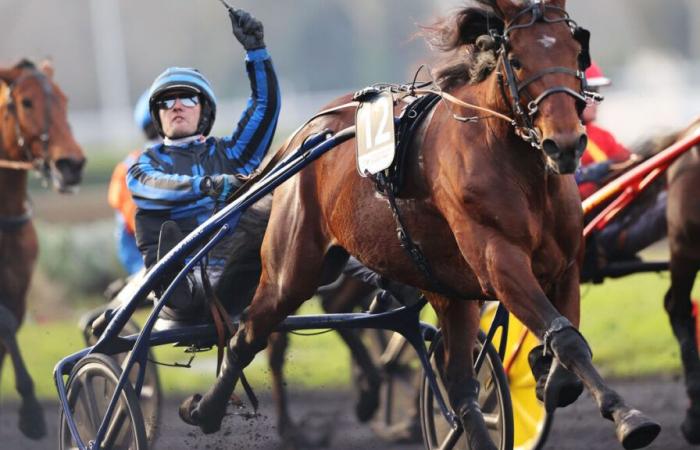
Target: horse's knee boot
[(569, 348), (473, 419)]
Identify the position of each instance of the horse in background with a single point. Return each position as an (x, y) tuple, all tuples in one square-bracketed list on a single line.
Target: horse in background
[(34, 135), (683, 218), (489, 202)]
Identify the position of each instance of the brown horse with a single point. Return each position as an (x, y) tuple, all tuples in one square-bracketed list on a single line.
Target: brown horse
[(34, 134), (683, 215), (485, 200)]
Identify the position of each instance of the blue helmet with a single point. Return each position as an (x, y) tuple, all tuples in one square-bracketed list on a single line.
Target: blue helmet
[(188, 79), (142, 113)]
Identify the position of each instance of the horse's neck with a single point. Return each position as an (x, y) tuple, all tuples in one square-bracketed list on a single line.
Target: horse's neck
[(499, 134), (13, 192)]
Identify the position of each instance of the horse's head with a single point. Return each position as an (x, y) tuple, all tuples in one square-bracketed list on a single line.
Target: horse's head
[(542, 56), (34, 125)]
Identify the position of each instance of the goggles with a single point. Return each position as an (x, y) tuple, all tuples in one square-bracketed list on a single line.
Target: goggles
[(188, 101)]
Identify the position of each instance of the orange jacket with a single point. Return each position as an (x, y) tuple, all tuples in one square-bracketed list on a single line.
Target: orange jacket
[(118, 194)]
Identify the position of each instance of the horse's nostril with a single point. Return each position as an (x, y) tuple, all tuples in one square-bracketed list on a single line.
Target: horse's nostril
[(581, 147), (551, 148)]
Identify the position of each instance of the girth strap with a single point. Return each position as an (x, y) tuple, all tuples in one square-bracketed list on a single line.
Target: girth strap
[(413, 250)]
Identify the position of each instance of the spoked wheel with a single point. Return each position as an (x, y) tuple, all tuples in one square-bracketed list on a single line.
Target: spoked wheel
[(531, 421), (494, 399), (150, 396), (90, 388)]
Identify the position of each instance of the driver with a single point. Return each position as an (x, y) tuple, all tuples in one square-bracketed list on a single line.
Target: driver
[(180, 183), (637, 227)]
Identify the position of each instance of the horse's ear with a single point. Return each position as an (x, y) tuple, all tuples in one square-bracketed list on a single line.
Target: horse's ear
[(7, 75), (46, 66)]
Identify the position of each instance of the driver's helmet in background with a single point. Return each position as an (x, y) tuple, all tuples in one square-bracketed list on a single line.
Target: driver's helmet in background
[(595, 77)]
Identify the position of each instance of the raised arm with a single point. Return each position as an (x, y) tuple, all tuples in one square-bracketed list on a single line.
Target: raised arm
[(256, 127)]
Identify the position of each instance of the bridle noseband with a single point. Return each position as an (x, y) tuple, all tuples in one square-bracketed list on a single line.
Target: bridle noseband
[(40, 164), (508, 81)]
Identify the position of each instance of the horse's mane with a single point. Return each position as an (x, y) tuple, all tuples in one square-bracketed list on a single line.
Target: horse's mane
[(470, 53)]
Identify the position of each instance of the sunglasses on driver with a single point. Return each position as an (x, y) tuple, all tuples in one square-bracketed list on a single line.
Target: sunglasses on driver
[(187, 100)]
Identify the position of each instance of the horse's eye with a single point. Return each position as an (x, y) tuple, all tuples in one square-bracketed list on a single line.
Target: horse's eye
[(27, 103), (515, 62)]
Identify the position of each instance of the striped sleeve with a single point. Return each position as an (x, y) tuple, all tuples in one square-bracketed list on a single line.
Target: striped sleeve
[(256, 126), (153, 188)]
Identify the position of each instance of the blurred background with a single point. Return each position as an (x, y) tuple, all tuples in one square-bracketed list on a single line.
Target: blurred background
[(107, 52)]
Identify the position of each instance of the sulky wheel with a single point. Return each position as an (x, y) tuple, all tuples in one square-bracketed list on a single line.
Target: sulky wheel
[(494, 399), (531, 421), (89, 390), (150, 396)]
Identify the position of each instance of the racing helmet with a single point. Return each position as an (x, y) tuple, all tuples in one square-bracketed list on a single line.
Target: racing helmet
[(595, 76), (184, 79), (142, 114)]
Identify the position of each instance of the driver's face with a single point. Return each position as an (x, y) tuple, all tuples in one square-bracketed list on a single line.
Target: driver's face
[(180, 120)]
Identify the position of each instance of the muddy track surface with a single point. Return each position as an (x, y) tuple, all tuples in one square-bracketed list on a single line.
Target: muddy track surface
[(329, 414)]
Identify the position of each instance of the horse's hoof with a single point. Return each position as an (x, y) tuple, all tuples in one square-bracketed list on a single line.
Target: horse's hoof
[(187, 408), (190, 413), (635, 430), (31, 419), (562, 388), (691, 428), (367, 402)]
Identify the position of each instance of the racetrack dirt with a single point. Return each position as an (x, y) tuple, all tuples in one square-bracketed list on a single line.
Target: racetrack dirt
[(578, 427)]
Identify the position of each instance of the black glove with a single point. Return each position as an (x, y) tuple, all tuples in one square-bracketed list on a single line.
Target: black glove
[(219, 187), (247, 29)]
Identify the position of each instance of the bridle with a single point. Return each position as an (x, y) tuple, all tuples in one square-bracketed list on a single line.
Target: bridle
[(41, 163), (508, 82)]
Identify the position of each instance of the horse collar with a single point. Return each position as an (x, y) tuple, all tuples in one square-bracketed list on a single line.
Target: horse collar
[(15, 223)]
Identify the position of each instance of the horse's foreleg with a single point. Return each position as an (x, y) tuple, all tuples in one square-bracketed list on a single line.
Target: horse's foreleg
[(459, 321), (516, 286), (679, 308), (31, 415)]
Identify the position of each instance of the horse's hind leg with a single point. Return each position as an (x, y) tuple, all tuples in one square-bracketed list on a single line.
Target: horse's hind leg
[(293, 256), (459, 321), (277, 346), (31, 414), (679, 308), (343, 298)]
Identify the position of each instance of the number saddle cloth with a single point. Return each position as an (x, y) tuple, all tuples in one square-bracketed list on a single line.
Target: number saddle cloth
[(415, 111)]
